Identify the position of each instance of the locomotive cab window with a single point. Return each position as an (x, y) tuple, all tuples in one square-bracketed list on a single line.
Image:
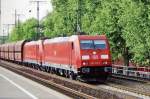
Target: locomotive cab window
[(100, 44), (93, 44), (86, 44)]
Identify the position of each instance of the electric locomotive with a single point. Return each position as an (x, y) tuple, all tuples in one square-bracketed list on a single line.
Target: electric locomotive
[(84, 57)]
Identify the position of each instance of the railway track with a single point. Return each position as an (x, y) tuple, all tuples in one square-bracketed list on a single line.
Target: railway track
[(71, 88), (136, 79), (141, 88), (47, 80)]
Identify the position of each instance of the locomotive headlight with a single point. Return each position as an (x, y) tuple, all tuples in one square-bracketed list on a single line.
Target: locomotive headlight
[(85, 63), (85, 57), (85, 70), (104, 56)]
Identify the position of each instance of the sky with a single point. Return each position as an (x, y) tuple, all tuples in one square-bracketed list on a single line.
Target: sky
[(22, 7)]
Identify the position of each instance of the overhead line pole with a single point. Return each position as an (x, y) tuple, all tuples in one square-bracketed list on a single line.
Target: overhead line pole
[(8, 28), (15, 18), (18, 19), (0, 16), (3, 31), (38, 35), (78, 22), (3, 36)]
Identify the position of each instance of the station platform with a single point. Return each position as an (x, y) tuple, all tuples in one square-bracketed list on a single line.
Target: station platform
[(14, 86)]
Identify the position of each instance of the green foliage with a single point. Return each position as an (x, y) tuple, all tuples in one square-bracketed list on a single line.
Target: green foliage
[(63, 19), (29, 29), (16, 34), (125, 22), (135, 22), (26, 30)]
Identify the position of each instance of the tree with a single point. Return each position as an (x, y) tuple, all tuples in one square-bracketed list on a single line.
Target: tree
[(135, 22), (125, 22), (29, 29), (26, 30)]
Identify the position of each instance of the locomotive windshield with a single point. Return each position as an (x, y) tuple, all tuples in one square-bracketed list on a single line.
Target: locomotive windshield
[(93, 44), (100, 44), (86, 44)]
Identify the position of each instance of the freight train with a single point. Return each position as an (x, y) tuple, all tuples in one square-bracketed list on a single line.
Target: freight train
[(82, 57)]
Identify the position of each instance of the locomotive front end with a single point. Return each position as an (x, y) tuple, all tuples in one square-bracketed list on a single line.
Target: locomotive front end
[(95, 59)]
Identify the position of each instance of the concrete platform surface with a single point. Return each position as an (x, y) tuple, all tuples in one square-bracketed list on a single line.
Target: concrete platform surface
[(14, 86)]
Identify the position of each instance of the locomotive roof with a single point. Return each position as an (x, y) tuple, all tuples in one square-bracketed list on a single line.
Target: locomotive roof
[(71, 38), (32, 43), (57, 39), (92, 37)]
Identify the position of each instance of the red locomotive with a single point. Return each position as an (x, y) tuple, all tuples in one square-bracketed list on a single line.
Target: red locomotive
[(79, 56)]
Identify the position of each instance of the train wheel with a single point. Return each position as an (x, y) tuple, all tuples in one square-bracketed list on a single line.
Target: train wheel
[(51, 70), (72, 76), (46, 69), (66, 74)]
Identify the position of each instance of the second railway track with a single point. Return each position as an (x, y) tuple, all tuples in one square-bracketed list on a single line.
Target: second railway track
[(71, 88), (138, 87)]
